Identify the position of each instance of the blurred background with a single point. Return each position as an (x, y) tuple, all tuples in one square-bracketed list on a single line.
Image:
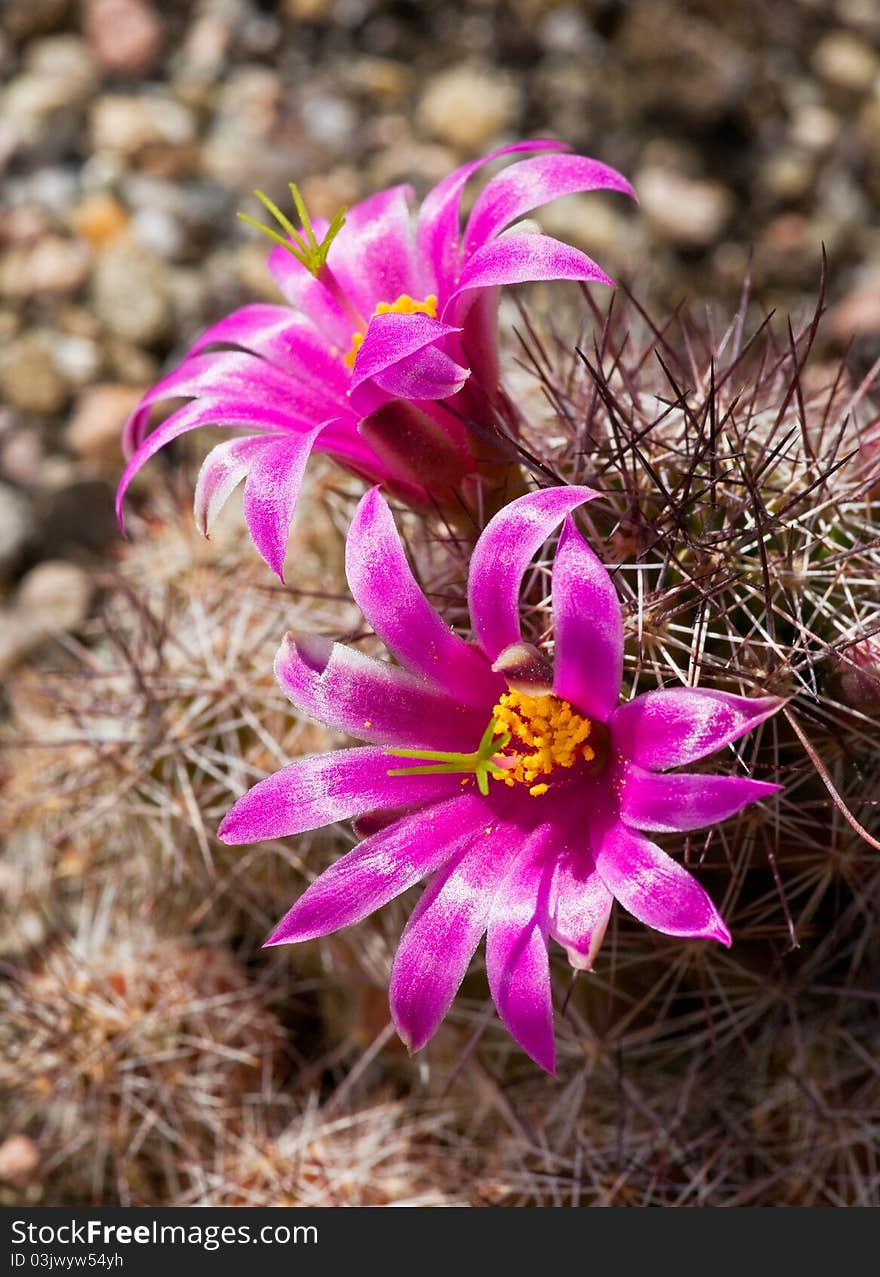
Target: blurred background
[(154, 1053), (132, 130)]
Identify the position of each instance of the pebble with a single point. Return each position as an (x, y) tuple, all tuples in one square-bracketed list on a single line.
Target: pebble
[(687, 212), (52, 266), (22, 456), (29, 375), (77, 357), (846, 62), (125, 35), (132, 123), (130, 289), (99, 219), (55, 593), (329, 120), (160, 231), (858, 313), (53, 598), (93, 432), (16, 525), (468, 106), (19, 1158)]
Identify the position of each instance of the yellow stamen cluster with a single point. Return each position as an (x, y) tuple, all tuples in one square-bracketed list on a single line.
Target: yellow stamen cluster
[(405, 305), (552, 733)]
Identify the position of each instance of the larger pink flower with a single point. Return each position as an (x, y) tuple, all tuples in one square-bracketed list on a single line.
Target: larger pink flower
[(386, 355), (518, 788)]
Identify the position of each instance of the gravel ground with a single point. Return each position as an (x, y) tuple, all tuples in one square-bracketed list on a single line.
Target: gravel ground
[(131, 132)]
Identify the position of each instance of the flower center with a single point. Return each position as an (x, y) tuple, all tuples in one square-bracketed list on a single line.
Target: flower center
[(527, 737), (544, 733), (405, 305)]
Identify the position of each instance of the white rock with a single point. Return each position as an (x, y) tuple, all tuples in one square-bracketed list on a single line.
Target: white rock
[(467, 106), (687, 212)]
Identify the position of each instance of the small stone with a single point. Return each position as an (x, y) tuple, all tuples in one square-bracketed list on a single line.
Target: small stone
[(125, 35), (468, 106), (131, 293), (65, 58), (77, 358), (57, 594), (814, 127), (29, 376), (858, 313), (204, 50), (329, 120), (63, 79), (16, 525), (132, 123), (99, 219), (307, 10), (688, 212), (50, 267), (159, 230), (95, 428), (19, 1158), (844, 61), (382, 78), (788, 174), (22, 456)]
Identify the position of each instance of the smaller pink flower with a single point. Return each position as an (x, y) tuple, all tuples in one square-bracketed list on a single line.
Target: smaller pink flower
[(517, 787), (385, 355)]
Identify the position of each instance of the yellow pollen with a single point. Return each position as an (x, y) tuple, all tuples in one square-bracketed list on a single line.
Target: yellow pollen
[(405, 305), (545, 733)]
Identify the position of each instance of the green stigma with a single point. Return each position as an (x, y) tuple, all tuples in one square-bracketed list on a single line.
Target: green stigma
[(479, 763), (305, 247)]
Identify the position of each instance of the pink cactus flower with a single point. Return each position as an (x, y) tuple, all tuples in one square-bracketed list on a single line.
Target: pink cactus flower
[(519, 787), (385, 355)]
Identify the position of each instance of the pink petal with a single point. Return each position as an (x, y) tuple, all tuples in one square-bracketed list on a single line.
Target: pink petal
[(312, 298), (587, 628), (236, 374), (580, 905), (681, 801), (502, 555), (373, 258), (222, 470), (517, 964), (324, 788), (226, 413), (430, 374), (521, 259), (380, 868), (438, 225), (524, 186), (373, 700), (674, 726), (284, 338), (399, 354), (391, 338), (443, 932), (270, 492), (387, 593), (654, 888)]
